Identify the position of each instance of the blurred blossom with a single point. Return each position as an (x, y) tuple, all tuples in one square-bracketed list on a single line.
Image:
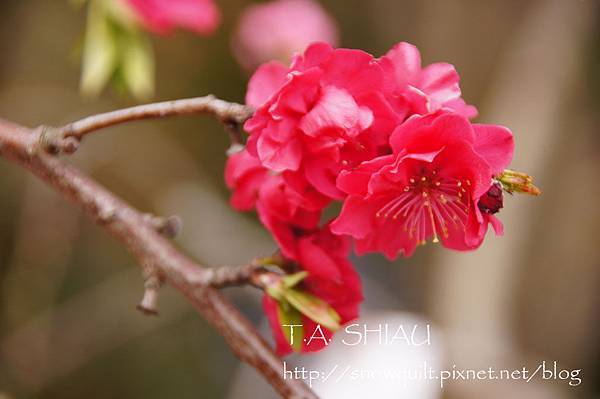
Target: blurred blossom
[(278, 29), (117, 47), (163, 16)]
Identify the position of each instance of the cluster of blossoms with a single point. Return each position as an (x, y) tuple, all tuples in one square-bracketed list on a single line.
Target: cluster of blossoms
[(391, 139)]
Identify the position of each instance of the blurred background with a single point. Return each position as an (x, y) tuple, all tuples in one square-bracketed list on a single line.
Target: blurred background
[(68, 324)]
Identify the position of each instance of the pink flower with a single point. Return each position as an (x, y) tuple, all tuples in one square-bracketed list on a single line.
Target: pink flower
[(331, 277), (278, 29), (326, 113), (286, 204), (163, 16), (429, 187), (390, 139), (417, 90), (286, 213), (244, 175)]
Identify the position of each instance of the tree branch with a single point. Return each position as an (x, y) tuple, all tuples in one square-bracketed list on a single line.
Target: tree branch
[(251, 274), (133, 230), (67, 138)]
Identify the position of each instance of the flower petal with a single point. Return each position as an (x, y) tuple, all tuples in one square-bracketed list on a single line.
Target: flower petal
[(265, 82), (356, 217), (430, 132), (270, 307), (279, 156), (440, 82), (336, 109), (495, 144), (402, 64)]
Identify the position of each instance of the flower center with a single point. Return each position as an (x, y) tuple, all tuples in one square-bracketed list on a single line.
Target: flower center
[(429, 205)]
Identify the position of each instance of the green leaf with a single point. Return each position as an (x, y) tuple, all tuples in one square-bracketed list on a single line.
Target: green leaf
[(99, 60), (137, 64), (312, 307), (290, 316)]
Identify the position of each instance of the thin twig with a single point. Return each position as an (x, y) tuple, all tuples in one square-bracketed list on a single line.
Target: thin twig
[(131, 228), (66, 138)]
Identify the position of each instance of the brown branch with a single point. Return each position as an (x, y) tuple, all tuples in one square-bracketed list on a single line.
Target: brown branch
[(67, 138), (251, 274), (132, 229)]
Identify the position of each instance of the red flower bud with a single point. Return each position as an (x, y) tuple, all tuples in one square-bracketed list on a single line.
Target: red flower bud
[(492, 201)]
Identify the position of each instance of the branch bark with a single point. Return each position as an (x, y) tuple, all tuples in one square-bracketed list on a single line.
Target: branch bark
[(67, 138), (20, 145)]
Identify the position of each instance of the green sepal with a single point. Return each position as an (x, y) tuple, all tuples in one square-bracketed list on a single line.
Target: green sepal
[(314, 308), (292, 280), (287, 294), (290, 316)]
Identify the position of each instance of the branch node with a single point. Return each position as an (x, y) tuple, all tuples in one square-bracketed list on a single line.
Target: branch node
[(106, 215), (53, 141), (168, 227), (246, 112)]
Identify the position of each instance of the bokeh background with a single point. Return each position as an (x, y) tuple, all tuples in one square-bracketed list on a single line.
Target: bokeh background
[(68, 324)]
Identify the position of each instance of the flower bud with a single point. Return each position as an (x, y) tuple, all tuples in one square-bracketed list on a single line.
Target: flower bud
[(492, 201), (517, 182)]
